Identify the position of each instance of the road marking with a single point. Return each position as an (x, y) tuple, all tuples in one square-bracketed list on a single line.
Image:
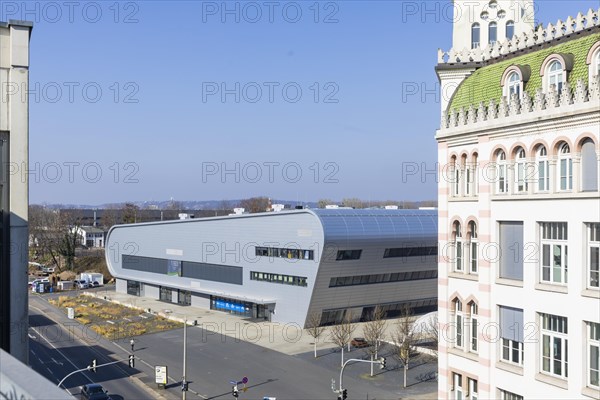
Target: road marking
[(31, 336), (152, 368)]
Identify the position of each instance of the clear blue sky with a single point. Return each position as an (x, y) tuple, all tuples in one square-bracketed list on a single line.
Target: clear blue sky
[(161, 129)]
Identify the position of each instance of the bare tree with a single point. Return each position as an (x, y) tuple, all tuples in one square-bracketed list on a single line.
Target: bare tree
[(55, 234), (353, 202), (130, 213), (314, 328), (430, 334), (255, 204), (110, 218), (340, 334), (404, 339), (374, 333), (325, 202)]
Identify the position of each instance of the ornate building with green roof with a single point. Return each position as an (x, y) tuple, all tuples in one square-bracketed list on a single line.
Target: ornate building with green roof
[(519, 205)]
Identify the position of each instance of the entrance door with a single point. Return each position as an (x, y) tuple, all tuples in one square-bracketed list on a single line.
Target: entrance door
[(166, 294)]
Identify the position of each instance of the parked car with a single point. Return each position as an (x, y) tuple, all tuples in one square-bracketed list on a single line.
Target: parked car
[(81, 284), (39, 280), (95, 284), (359, 342), (48, 270), (94, 391)]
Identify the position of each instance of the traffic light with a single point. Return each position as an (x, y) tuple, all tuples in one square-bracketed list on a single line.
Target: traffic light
[(381, 362), (344, 394), (131, 361), (94, 365), (234, 391)]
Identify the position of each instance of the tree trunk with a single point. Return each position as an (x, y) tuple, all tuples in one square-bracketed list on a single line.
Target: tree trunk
[(405, 370), (371, 364), (315, 348), (342, 364)]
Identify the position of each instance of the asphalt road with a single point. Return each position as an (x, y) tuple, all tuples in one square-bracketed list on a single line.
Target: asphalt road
[(55, 350), (214, 360)]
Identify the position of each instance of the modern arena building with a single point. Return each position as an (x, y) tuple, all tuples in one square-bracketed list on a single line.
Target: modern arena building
[(284, 266)]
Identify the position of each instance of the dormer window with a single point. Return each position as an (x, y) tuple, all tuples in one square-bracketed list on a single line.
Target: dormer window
[(555, 75), (554, 70), (513, 80), (493, 32), (510, 29), (593, 61), (475, 35)]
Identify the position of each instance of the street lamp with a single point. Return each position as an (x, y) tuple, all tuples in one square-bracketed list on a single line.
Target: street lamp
[(132, 343)]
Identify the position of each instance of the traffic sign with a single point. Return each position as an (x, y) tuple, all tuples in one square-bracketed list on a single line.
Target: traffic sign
[(245, 380)]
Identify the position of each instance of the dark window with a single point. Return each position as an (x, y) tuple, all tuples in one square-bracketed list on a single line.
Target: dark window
[(296, 254), (278, 278), (475, 36), (510, 29), (410, 252), (493, 32), (133, 288), (382, 278), (348, 255)]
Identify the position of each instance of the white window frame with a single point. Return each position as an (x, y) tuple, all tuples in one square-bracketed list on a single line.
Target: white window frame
[(543, 181), (473, 331), (473, 248), (554, 331), (593, 245), (472, 389), (521, 184), (459, 325), (455, 183), (513, 348), (513, 85), (458, 248), (457, 386), (554, 235), (501, 173), (555, 75), (506, 395), (592, 342), (565, 168)]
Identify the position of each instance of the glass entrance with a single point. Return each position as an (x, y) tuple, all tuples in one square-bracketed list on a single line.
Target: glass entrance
[(166, 294), (184, 298)]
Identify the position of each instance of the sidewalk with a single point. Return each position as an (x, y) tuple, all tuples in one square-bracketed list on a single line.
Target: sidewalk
[(288, 338)]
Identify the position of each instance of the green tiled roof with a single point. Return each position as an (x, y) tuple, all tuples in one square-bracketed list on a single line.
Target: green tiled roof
[(484, 83)]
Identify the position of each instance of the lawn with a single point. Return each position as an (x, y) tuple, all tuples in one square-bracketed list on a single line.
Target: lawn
[(111, 320)]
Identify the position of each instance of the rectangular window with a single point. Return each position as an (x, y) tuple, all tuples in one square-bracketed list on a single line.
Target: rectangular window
[(511, 250), (506, 395), (278, 278), (348, 255), (473, 334), (554, 344), (593, 255), (458, 257), (473, 256), (459, 321), (457, 386), (511, 333), (296, 254), (593, 361), (520, 177), (566, 174), (554, 252), (502, 182), (472, 389), (382, 278), (410, 252), (543, 176)]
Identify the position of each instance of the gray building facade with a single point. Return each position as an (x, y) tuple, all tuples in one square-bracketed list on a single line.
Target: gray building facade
[(284, 266)]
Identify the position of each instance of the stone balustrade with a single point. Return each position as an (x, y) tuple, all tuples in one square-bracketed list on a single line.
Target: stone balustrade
[(521, 105)]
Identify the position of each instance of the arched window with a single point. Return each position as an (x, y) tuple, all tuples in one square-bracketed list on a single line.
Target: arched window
[(473, 312), (464, 168), (493, 32), (542, 173), (521, 171), (596, 67), (475, 35), (566, 167), (472, 177), (473, 267), (593, 61), (455, 178), (589, 167), (458, 323), (510, 29), (513, 85), (501, 182), (458, 247), (555, 75)]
